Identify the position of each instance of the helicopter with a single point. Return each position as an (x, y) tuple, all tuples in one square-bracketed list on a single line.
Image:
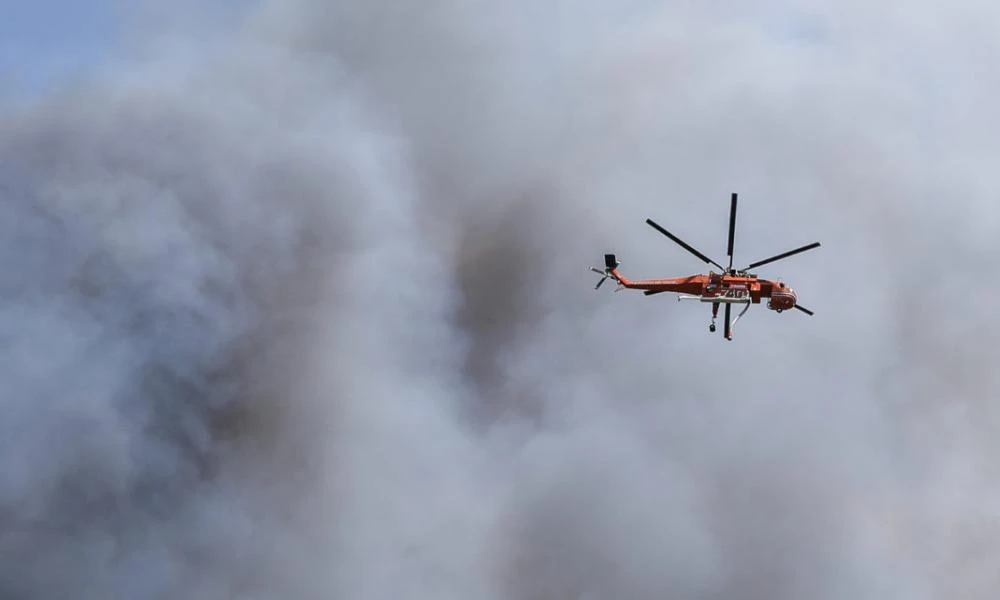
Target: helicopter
[(729, 286)]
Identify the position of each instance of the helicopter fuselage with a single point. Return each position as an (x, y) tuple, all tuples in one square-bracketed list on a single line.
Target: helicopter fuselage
[(721, 288)]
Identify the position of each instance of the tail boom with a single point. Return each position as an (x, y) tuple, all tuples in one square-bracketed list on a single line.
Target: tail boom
[(693, 284)]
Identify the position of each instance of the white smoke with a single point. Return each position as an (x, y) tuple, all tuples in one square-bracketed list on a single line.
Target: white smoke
[(298, 309)]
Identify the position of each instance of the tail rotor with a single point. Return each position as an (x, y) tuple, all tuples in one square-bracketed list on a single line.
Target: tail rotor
[(609, 263)]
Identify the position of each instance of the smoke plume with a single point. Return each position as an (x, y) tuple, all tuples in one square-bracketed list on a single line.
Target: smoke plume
[(295, 306)]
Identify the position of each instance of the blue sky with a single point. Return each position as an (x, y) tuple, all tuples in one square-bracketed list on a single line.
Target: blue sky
[(45, 41)]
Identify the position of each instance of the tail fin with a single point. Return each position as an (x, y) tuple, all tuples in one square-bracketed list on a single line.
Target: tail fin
[(610, 263)]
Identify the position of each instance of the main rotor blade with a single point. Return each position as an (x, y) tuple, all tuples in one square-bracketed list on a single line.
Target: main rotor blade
[(804, 309), (682, 244), (728, 328), (732, 230), (784, 255)]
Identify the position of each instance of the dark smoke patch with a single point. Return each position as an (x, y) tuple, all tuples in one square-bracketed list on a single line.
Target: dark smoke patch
[(499, 268)]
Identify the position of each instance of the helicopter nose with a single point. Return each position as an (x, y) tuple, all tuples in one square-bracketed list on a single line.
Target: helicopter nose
[(783, 300)]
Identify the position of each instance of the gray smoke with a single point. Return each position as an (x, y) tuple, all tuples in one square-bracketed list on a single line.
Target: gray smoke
[(294, 306)]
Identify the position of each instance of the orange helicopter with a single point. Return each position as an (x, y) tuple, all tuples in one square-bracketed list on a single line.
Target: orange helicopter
[(730, 286)]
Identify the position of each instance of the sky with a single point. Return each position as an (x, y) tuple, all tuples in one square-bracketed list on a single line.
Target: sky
[(51, 40), (296, 302)]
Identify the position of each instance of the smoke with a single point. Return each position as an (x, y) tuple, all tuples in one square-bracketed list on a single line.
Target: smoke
[(298, 308)]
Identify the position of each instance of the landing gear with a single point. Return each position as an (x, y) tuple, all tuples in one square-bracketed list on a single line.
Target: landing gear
[(711, 328)]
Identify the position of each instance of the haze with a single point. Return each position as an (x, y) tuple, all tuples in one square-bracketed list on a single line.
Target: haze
[(295, 305)]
